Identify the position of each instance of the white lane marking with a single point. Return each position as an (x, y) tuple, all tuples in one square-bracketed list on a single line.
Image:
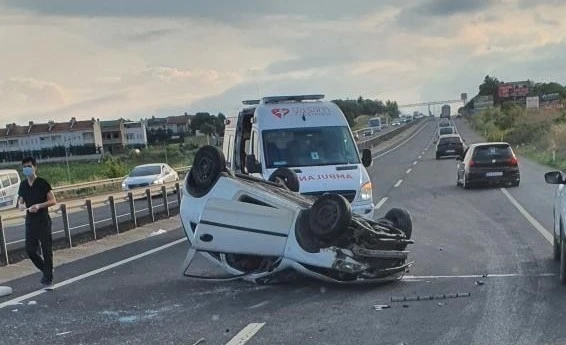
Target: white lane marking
[(502, 275), (403, 143), (398, 183), (415, 162), (408, 171), (545, 233), (246, 334), (91, 273), (261, 304), (381, 202)]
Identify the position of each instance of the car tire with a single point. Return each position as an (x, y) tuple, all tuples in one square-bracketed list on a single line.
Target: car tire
[(556, 248), (287, 178), (208, 163), (330, 217), (401, 219)]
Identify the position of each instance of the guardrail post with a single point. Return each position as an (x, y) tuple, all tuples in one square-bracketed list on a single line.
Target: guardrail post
[(149, 204), (91, 218), (3, 245), (66, 228), (165, 200), (113, 213), (178, 192), (133, 217)]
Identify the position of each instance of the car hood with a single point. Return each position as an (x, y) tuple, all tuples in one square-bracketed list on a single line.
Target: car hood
[(141, 179), (329, 177)]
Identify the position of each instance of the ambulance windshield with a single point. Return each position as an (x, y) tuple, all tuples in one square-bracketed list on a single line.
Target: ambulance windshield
[(314, 146)]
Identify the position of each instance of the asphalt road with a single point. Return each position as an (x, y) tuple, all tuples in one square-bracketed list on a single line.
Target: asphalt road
[(459, 234)]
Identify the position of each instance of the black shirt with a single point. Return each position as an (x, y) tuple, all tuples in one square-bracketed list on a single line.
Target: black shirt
[(35, 194)]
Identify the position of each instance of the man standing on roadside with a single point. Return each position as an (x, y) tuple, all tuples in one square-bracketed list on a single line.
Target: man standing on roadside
[(35, 197)]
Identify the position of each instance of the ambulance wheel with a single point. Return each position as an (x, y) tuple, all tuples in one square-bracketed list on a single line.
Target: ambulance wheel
[(287, 178), (330, 216)]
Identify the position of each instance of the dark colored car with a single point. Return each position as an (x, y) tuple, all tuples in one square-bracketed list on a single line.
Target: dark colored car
[(488, 164), (444, 123), (449, 145)]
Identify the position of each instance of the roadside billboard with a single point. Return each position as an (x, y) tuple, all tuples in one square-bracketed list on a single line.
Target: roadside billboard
[(532, 102), (483, 102), (513, 90)]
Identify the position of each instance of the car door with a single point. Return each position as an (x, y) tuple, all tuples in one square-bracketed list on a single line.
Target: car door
[(232, 226)]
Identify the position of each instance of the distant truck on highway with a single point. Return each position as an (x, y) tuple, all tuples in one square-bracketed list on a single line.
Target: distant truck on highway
[(375, 124), (445, 112)]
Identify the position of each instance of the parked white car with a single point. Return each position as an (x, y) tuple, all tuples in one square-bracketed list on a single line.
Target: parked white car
[(147, 175), (559, 212), (254, 229)]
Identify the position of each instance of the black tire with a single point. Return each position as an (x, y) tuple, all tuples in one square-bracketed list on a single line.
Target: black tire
[(556, 248), (208, 163), (286, 177), (401, 219), (330, 216)]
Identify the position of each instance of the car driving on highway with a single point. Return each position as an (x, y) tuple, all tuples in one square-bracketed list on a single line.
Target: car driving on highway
[(449, 145), (147, 175), (559, 216), (444, 123), (444, 131), (491, 163)]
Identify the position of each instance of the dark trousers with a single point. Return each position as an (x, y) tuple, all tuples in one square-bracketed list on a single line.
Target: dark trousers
[(40, 233)]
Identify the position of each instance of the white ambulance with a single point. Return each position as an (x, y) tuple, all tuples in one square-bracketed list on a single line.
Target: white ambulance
[(307, 135)]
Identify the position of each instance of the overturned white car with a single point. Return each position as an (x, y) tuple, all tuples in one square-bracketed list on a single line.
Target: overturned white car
[(255, 229)]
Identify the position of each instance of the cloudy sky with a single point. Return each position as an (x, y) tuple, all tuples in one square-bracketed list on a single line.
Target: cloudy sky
[(138, 58)]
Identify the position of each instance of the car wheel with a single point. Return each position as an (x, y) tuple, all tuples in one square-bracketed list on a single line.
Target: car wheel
[(330, 216), (466, 183), (555, 246), (287, 178), (401, 219), (207, 166)]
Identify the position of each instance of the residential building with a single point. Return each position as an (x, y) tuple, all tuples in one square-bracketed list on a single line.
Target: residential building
[(179, 124), (136, 134), (113, 136), (40, 139)]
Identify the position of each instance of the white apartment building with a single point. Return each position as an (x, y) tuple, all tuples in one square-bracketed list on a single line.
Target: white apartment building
[(135, 134), (38, 136)]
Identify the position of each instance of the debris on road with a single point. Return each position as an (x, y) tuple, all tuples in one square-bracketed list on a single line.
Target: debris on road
[(215, 317), (479, 282), (381, 306), (63, 333), (158, 232), (32, 303), (440, 304), (200, 341), (484, 275), (5, 291), (429, 297), (405, 306)]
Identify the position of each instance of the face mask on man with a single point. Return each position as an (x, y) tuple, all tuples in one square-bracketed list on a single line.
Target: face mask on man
[(28, 171)]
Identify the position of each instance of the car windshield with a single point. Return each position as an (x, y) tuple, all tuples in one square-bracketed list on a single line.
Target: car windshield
[(449, 140), (300, 147), (446, 130), (146, 171), (489, 152)]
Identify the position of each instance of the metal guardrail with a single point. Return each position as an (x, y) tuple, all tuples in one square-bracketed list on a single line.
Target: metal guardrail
[(372, 142), (65, 209)]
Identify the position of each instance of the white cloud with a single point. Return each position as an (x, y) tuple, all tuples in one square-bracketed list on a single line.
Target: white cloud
[(93, 59)]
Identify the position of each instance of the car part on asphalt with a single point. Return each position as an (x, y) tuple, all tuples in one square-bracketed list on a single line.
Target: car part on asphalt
[(429, 297)]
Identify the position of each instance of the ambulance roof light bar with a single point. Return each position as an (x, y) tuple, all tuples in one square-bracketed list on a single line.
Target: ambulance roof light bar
[(297, 98), (251, 101)]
